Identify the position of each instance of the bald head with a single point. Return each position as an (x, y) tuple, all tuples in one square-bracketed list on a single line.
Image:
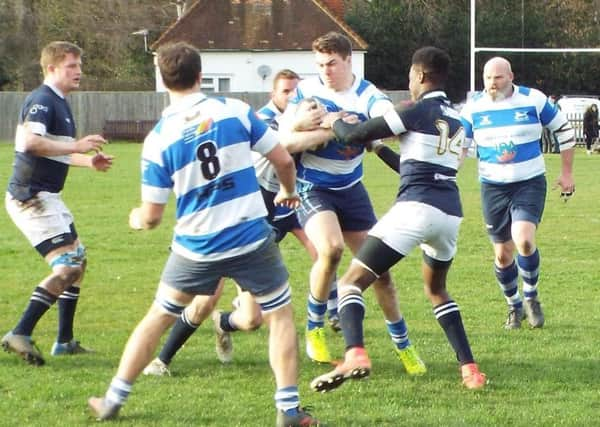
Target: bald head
[(497, 78)]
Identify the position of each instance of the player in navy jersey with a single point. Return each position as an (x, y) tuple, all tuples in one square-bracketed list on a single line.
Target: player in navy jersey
[(427, 213), (45, 147), (505, 121), (336, 210), (200, 151)]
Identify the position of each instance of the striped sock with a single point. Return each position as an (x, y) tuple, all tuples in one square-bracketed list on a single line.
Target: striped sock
[(287, 399), (529, 268), (332, 301), (399, 333), (118, 391), (508, 281), (316, 313)]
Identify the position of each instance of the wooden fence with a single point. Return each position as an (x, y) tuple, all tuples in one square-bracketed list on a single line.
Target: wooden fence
[(121, 113)]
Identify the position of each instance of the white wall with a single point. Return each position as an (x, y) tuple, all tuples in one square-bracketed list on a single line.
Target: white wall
[(242, 67)]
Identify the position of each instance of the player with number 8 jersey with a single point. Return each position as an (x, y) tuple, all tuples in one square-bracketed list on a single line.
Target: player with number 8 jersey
[(219, 128)]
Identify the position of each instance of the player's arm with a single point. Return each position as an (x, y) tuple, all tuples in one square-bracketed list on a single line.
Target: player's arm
[(567, 153), (147, 216), (375, 128), (286, 173), (39, 145), (565, 135), (387, 155), (99, 161), (299, 127)]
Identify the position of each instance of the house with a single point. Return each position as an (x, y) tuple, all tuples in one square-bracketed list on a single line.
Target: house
[(245, 42)]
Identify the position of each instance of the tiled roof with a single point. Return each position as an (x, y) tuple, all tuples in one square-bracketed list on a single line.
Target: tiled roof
[(257, 25)]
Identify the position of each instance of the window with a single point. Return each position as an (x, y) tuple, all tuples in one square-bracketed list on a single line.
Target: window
[(216, 84)]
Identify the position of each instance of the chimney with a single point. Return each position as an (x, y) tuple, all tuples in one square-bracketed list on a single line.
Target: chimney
[(336, 7), (181, 6)]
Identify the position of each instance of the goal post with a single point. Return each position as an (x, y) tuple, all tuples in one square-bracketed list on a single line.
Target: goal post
[(475, 49)]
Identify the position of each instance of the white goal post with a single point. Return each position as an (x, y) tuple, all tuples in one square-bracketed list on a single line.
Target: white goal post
[(475, 49)]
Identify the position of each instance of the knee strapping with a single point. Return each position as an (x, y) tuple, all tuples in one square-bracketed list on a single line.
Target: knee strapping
[(74, 258), (276, 299), (169, 306)]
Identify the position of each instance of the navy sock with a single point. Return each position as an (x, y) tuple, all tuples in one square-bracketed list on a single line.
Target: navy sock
[(448, 316), (351, 310), (225, 324), (182, 330), (67, 304), (39, 303)]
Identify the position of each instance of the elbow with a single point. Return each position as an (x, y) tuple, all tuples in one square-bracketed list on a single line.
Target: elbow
[(287, 142), (31, 145), (288, 164)]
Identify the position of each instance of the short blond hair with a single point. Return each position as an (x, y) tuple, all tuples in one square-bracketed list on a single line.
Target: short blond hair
[(55, 52)]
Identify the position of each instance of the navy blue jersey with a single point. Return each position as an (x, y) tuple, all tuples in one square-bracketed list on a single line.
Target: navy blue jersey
[(431, 140), (49, 115)]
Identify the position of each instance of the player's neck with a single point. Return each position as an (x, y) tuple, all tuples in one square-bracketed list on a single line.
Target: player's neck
[(346, 84), (178, 95)]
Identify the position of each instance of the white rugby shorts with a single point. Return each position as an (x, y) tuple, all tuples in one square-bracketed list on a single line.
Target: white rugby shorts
[(41, 218), (408, 224)]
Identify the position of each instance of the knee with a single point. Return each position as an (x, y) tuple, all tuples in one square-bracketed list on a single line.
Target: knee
[(526, 247), (249, 322), (67, 276), (200, 308), (332, 254), (504, 259)]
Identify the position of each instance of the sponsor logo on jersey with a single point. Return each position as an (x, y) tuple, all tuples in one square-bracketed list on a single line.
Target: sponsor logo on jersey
[(204, 126), (190, 134), (521, 116), (485, 121), (507, 152), (349, 152), (38, 107), (225, 184)]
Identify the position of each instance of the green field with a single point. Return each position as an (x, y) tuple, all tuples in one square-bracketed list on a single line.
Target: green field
[(542, 377)]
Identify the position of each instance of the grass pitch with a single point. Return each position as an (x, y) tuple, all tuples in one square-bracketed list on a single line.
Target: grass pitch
[(536, 377)]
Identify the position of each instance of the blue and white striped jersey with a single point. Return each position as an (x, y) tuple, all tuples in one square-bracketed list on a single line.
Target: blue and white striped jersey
[(265, 171), (201, 151), (508, 132), (431, 138), (46, 113), (337, 166), (269, 113)]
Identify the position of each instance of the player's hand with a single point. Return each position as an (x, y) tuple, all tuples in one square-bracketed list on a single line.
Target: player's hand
[(329, 118), (567, 186), (135, 219), (102, 162), (309, 115), (90, 143), (283, 198), (350, 118)]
